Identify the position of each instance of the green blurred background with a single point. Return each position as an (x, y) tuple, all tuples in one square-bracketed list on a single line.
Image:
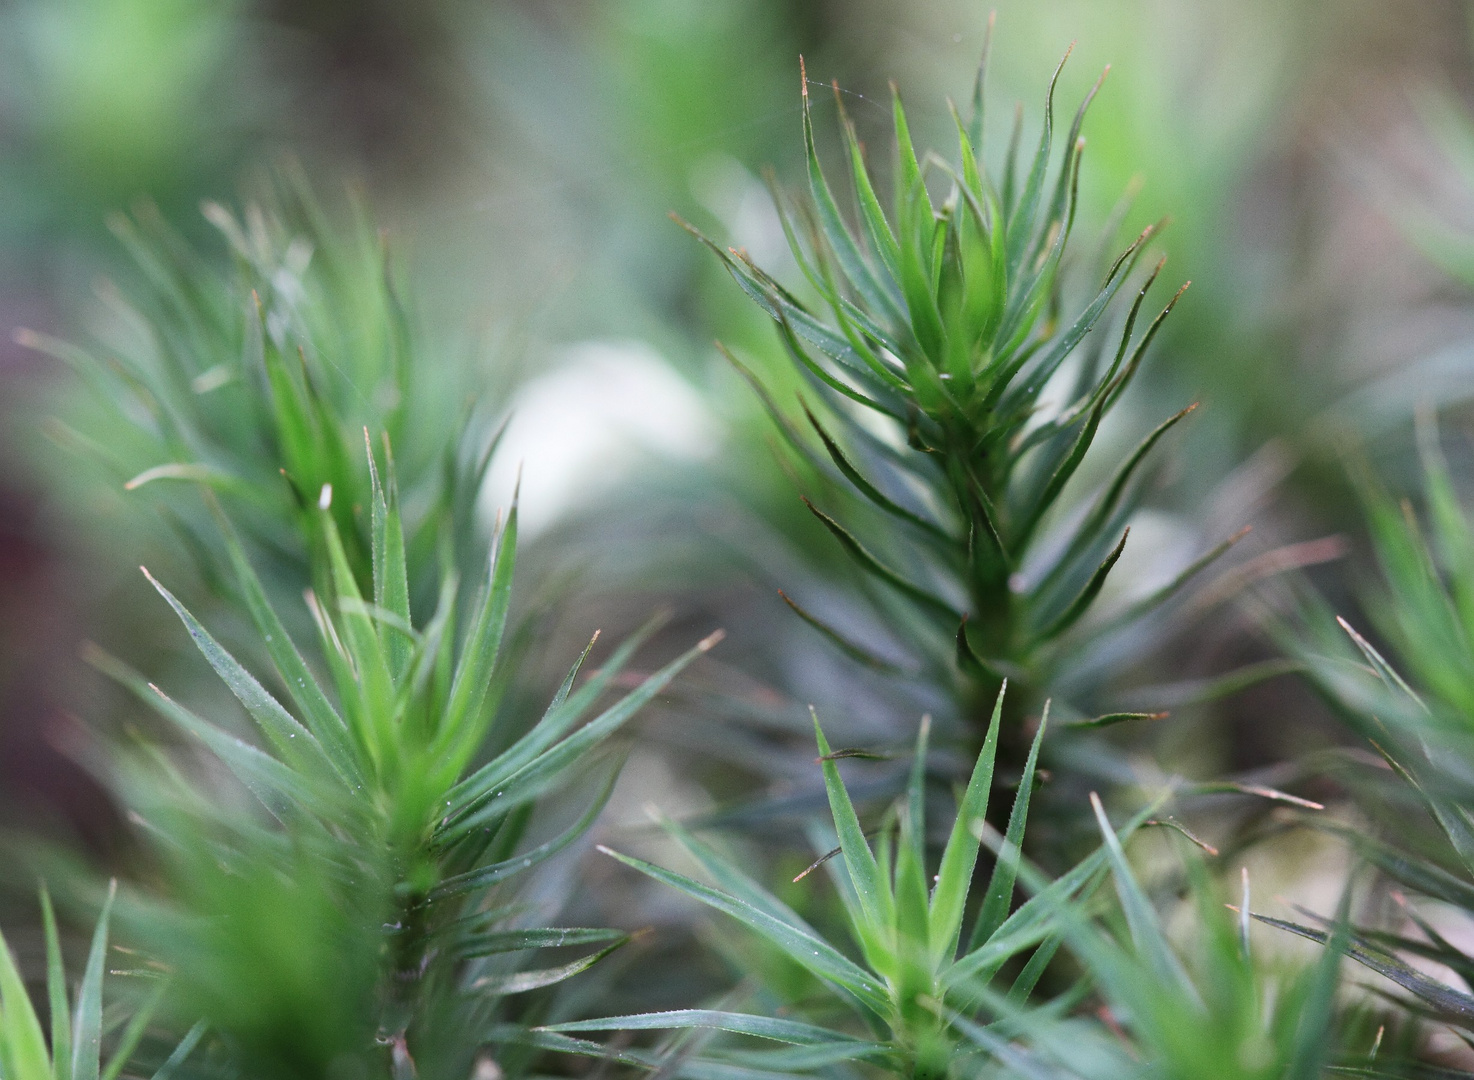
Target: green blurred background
[(523, 157)]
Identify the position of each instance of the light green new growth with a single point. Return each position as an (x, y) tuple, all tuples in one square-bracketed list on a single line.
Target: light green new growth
[(372, 776)]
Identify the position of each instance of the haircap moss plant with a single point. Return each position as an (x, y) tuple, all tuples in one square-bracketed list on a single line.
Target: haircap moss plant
[(942, 978), (944, 985), (1414, 704), (927, 336), (908, 923), (1200, 1009), (257, 380), (1406, 685), (360, 896), (338, 892)]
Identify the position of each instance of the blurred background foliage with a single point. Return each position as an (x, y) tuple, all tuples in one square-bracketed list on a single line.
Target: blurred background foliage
[(1314, 159)]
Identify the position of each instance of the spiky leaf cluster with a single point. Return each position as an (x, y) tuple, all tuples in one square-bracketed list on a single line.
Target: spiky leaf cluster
[(74, 1050), (1201, 1011), (927, 1000), (361, 898), (928, 336), (1415, 707), (923, 958), (256, 376), (337, 892)]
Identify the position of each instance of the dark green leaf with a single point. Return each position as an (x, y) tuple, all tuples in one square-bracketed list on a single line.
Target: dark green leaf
[(870, 563), (1087, 595)]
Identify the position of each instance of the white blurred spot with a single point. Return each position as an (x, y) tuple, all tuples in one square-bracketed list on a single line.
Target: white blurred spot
[(580, 429)]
